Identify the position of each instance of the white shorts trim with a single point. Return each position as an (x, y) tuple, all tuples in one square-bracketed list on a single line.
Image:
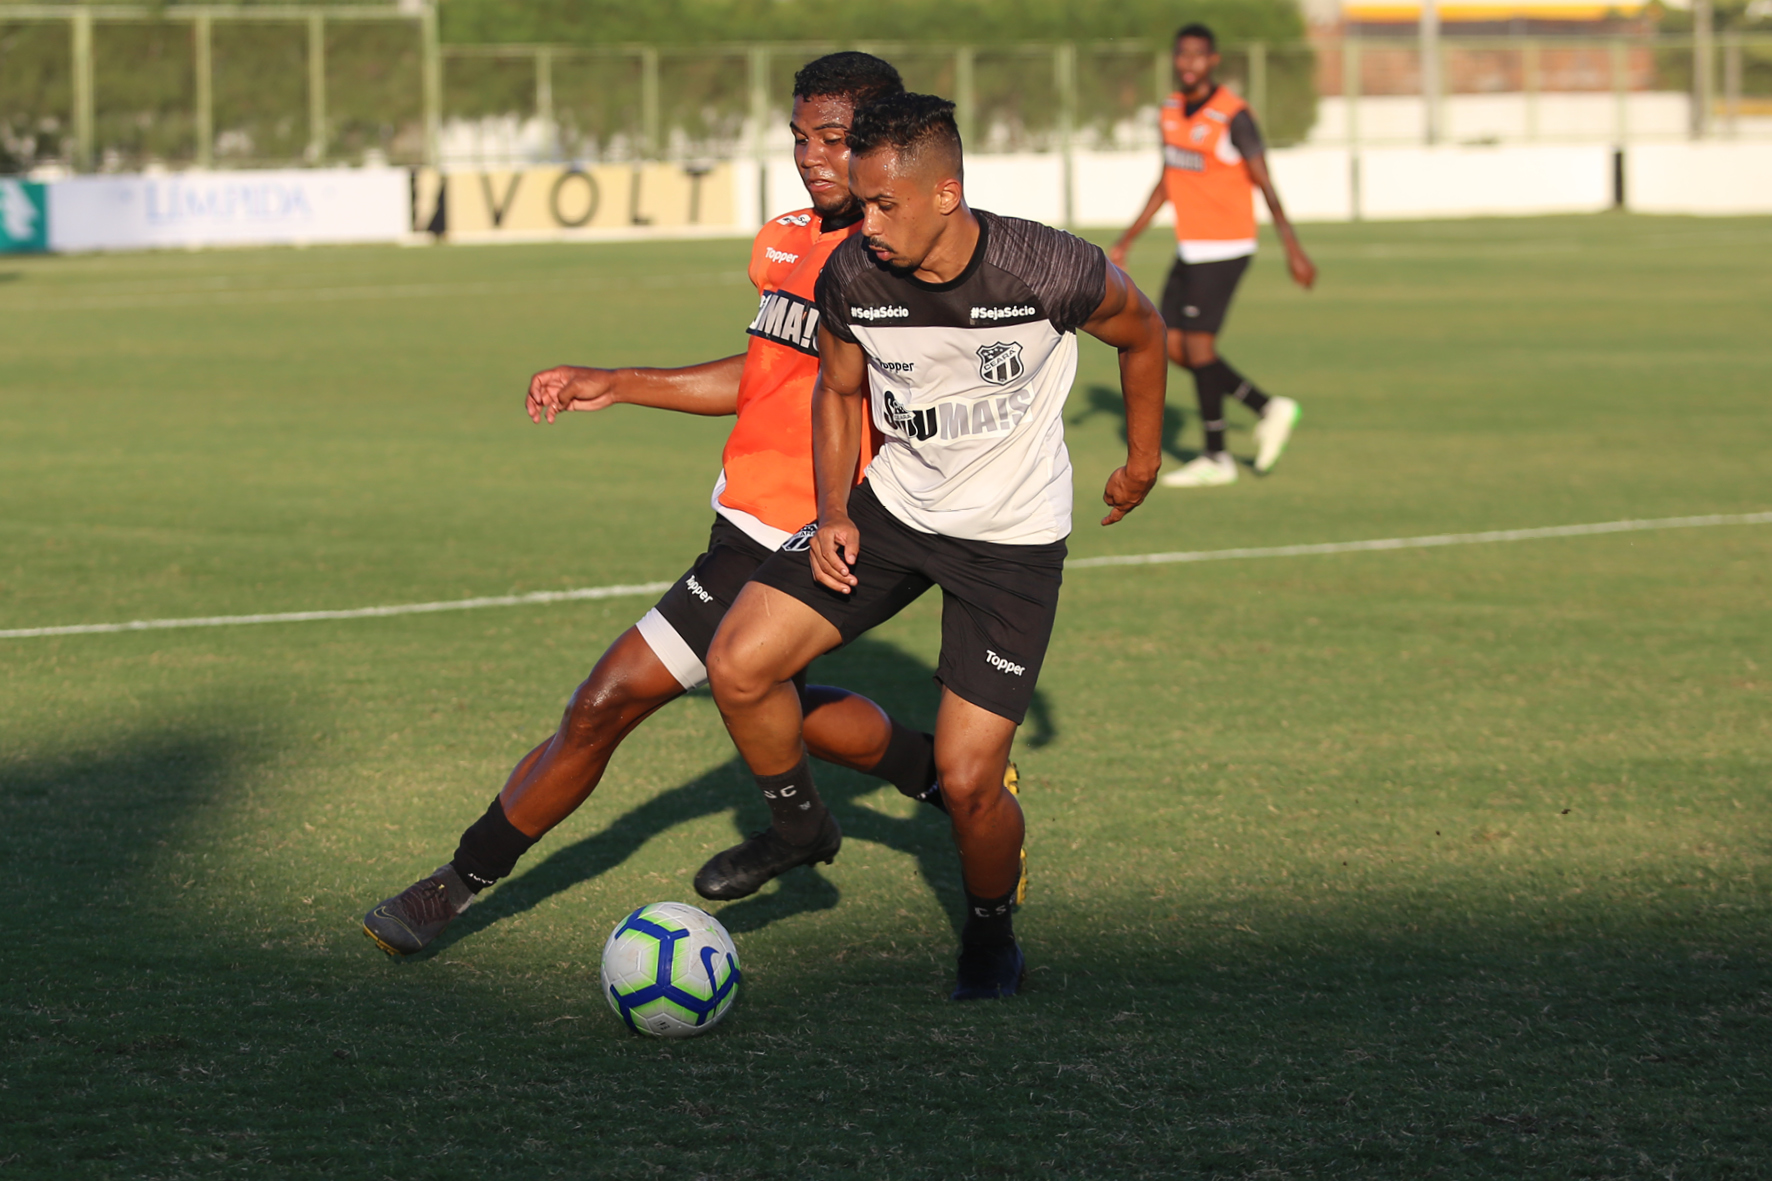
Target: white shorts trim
[(671, 649), (1213, 250)]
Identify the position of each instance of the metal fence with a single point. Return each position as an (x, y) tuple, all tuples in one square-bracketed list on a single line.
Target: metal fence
[(111, 87)]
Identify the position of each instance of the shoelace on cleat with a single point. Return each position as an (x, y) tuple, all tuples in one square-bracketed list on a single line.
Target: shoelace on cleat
[(426, 902)]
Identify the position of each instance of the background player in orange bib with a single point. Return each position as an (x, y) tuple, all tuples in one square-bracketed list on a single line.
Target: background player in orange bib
[(1213, 161), (763, 497)]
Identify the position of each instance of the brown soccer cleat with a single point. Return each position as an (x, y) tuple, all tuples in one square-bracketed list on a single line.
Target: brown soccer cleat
[(411, 919)]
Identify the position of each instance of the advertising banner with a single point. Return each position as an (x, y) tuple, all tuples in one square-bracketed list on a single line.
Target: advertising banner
[(24, 217), (285, 207), (604, 200)]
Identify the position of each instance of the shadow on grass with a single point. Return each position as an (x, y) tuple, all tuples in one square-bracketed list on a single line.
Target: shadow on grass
[(899, 683), (103, 811), (1103, 400)]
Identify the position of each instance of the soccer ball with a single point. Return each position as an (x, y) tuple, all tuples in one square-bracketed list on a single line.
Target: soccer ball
[(670, 970)]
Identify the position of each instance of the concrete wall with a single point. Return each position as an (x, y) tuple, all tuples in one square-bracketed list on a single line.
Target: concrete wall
[(1713, 177), (1385, 183), (1478, 182), (1509, 117)]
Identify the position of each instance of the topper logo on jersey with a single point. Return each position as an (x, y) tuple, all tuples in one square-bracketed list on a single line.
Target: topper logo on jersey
[(1000, 363), (774, 255), (787, 319), (1183, 159), (918, 424), (889, 312), (794, 219), (697, 589)]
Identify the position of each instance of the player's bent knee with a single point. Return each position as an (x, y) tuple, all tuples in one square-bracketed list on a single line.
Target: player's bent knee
[(736, 677), (971, 788), (599, 712)]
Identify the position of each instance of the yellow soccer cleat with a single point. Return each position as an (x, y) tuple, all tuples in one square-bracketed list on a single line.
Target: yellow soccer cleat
[(1012, 784)]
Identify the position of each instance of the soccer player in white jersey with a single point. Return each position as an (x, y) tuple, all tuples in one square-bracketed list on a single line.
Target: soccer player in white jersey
[(959, 329)]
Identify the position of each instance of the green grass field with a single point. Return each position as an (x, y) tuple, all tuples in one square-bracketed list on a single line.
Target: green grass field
[(1439, 863)]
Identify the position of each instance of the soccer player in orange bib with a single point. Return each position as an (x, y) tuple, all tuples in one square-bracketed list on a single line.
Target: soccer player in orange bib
[(762, 499), (1213, 160)]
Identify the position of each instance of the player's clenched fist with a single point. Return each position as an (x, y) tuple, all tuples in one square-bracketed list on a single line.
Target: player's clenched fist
[(1125, 492), (835, 547), (569, 387)]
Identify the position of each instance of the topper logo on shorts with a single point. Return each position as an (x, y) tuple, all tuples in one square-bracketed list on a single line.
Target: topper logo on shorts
[(787, 319), (696, 589), (889, 312), (896, 366), (1001, 665), (1000, 363), (774, 255), (802, 541)]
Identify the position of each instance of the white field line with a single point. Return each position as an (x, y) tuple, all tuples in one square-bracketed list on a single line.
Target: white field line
[(1439, 539), (652, 588), (139, 625)]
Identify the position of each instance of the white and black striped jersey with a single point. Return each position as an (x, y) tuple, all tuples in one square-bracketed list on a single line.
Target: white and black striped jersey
[(968, 378)]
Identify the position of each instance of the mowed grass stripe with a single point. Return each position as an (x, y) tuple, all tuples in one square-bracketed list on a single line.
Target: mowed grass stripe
[(647, 588)]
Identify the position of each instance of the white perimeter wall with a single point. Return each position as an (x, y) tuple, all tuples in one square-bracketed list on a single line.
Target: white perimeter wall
[(1324, 183), (1716, 178)]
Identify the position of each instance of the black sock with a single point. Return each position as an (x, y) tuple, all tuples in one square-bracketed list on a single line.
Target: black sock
[(909, 764), (1210, 389), (1216, 381), (1244, 390), (1230, 383), (489, 848), (989, 921), (795, 811)]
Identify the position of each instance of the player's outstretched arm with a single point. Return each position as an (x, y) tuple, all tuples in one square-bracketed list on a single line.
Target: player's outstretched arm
[(710, 389), (839, 407), (1304, 272), (1158, 198), (1127, 321)]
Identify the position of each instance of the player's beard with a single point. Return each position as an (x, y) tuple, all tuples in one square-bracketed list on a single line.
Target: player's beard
[(842, 213)]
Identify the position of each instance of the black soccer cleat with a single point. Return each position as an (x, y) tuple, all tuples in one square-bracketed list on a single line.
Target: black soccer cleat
[(744, 869), (989, 973), (411, 919)]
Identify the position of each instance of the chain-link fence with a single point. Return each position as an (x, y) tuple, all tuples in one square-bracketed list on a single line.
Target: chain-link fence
[(115, 88)]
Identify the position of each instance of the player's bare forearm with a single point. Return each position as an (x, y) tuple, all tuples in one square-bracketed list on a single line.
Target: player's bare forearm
[(707, 389), (1304, 272), (1127, 321), (838, 405), (1158, 198)]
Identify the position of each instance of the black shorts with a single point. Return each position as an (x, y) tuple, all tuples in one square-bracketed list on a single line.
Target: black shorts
[(997, 601), (1198, 294), (682, 625)]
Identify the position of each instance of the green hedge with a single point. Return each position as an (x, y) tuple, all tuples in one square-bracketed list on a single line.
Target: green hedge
[(981, 22)]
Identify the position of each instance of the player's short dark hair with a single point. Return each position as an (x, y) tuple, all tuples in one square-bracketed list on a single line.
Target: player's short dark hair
[(913, 125), (859, 77), (1196, 29)]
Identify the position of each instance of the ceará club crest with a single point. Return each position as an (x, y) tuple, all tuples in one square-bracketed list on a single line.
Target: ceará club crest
[(1000, 363)]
